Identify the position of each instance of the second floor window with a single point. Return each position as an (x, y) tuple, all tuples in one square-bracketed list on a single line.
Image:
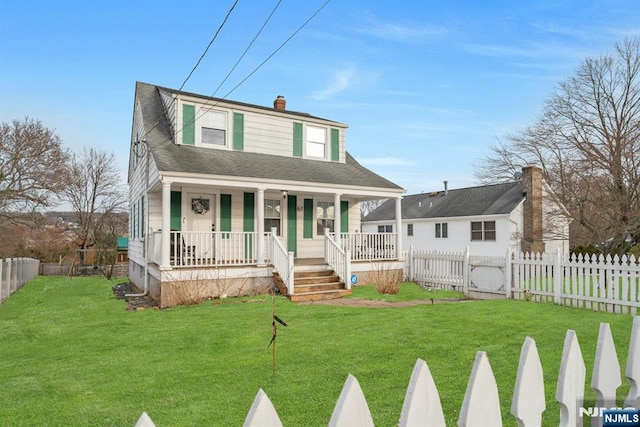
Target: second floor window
[(214, 124), (316, 142), (442, 230), (272, 215), (483, 231), (409, 229), (325, 215)]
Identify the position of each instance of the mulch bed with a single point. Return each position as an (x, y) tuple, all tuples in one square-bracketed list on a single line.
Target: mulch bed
[(128, 292)]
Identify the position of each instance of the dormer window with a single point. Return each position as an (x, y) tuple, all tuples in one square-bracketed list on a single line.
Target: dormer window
[(213, 130), (316, 142)]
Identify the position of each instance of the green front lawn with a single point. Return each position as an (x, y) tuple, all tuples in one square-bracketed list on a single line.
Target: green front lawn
[(408, 292), (70, 354)]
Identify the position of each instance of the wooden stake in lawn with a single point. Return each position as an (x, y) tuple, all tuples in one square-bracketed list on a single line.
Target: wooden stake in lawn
[(275, 331)]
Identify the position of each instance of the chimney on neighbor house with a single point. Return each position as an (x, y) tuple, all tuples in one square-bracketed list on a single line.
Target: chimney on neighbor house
[(446, 187), (280, 103), (532, 210)]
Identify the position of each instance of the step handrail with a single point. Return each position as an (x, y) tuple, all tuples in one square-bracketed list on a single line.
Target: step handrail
[(282, 260), (338, 259)]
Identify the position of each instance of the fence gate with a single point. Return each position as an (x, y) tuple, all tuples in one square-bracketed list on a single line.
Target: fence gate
[(487, 274)]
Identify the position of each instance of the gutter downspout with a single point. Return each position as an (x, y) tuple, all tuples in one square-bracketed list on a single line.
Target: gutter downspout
[(146, 223)]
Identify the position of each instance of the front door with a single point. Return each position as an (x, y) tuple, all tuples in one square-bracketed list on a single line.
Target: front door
[(200, 222)]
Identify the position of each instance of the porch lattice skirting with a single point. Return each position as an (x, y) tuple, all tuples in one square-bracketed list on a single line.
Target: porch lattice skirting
[(481, 405)]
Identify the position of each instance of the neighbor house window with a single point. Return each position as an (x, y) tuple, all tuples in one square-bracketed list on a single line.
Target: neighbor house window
[(483, 231), (316, 141), (325, 216), (272, 215), (442, 230), (409, 229), (385, 229), (214, 125)]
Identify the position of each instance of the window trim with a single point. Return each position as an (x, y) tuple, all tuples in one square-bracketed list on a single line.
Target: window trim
[(306, 141), (276, 202), (315, 216), (483, 230)]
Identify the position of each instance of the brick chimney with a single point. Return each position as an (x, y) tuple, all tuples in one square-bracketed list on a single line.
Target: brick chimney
[(280, 103), (532, 210)]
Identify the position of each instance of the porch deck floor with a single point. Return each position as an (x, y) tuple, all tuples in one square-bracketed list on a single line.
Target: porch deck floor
[(308, 261)]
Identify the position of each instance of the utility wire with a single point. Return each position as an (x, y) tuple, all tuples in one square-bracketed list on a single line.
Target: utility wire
[(215, 36), (209, 45), (259, 66)]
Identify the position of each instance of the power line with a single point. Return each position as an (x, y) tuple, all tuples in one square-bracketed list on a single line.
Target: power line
[(209, 45), (178, 131), (215, 36)]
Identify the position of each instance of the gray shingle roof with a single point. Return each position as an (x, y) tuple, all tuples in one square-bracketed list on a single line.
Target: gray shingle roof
[(170, 157), (474, 201)]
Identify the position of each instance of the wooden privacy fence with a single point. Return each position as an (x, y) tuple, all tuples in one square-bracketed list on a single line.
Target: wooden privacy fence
[(481, 404), (594, 282), (15, 272)]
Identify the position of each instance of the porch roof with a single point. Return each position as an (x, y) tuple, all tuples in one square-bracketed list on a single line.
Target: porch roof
[(171, 157)]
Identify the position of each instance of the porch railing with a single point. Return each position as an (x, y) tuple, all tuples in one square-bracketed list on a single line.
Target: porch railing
[(338, 259), (282, 260), (208, 249), (370, 246)]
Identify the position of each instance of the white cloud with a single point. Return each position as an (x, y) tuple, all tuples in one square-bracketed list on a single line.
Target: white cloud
[(400, 32), (342, 80)]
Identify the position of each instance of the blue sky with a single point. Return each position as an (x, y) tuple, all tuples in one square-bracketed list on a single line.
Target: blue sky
[(425, 87)]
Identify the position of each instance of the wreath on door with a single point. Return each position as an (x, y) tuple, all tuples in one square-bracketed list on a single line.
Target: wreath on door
[(200, 206)]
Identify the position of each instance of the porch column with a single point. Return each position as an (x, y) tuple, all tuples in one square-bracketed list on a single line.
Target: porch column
[(260, 237), (166, 225), (399, 228), (336, 218)]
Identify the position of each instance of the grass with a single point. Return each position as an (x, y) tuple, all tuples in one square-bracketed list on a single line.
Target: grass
[(72, 355), (408, 292)]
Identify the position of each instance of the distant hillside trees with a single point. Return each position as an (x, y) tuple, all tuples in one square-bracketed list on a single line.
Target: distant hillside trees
[(587, 140), (36, 173)]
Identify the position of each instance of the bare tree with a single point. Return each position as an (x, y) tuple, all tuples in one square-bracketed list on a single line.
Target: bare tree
[(95, 192), (369, 206), (587, 141), (32, 167)]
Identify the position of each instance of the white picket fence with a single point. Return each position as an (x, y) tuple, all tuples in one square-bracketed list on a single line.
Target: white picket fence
[(599, 283), (15, 272), (481, 404)]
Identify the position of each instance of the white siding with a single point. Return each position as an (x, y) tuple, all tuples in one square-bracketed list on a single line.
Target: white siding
[(459, 235), (264, 131)]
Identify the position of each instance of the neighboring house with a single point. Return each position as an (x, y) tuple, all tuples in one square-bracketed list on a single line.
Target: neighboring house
[(523, 215), (209, 179)]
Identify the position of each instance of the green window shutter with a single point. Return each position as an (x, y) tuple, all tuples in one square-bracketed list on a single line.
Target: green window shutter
[(297, 139), (142, 225), (344, 216), (249, 212), (176, 210), (308, 219), (335, 144), (189, 124), (225, 212), (238, 131), (292, 225)]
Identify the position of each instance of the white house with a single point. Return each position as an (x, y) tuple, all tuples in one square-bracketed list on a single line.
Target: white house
[(209, 179), (522, 215)]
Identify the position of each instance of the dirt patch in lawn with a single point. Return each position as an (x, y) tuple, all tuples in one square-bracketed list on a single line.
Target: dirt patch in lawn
[(361, 302)]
